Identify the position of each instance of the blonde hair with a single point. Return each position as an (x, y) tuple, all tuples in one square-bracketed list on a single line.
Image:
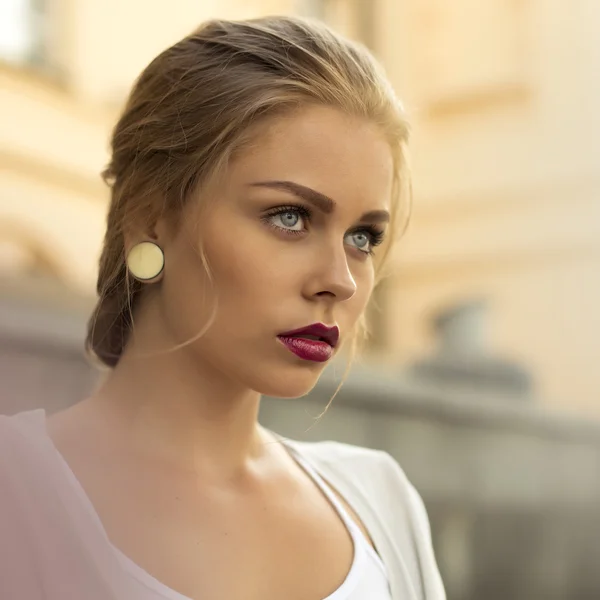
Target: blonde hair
[(192, 108)]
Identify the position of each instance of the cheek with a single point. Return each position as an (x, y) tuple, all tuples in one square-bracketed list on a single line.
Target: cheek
[(248, 279), (364, 296), (364, 288), (187, 297), (238, 272), (248, 262), (365, 280)]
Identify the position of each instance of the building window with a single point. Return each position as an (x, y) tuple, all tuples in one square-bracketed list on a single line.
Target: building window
[(24, 32)]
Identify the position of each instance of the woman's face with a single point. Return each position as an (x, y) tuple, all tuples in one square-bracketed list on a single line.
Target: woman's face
[(289, 235)]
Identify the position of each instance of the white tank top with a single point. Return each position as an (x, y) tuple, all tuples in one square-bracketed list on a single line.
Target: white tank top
[(366, 580)]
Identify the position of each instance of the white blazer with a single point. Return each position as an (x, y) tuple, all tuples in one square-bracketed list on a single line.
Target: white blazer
[(390, 508)]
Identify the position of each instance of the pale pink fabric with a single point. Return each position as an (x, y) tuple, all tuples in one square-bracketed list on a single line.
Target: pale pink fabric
[(50, 549)]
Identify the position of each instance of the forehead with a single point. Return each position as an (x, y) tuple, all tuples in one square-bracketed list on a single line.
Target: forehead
[(344, 157)]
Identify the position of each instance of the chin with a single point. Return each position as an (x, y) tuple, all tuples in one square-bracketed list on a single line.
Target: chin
[(288, 383)]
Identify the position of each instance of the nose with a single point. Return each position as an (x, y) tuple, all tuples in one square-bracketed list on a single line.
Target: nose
[(331, 277)]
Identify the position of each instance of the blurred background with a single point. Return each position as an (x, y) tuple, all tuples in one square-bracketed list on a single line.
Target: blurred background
[(480, 378)]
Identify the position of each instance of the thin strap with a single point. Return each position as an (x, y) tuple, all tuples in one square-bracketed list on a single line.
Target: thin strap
[(357, 535), (326, 489)]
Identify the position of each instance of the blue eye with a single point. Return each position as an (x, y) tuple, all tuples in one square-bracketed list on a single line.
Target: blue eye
[(361, 240), (365, 239), (289, 219)]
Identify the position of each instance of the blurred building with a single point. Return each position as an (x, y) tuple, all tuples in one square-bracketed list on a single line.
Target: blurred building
[(506, 139), (506, 143)]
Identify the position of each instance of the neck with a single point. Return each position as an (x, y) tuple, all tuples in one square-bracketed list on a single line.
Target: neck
[(166, 406)]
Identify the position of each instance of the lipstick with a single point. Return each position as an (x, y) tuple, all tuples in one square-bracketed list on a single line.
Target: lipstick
[(314, 342)]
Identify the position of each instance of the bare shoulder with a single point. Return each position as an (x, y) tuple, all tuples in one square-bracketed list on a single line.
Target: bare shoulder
[(67, 422), (80, 431)]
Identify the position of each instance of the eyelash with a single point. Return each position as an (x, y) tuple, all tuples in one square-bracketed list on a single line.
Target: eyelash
[(375, 235)]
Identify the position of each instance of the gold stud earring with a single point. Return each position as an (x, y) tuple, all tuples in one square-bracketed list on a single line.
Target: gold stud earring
[(146, 261)]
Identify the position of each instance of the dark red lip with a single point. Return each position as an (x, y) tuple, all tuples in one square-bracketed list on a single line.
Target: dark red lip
[(331, 335)]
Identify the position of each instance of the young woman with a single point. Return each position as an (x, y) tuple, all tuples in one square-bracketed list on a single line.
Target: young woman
[(255, 177)]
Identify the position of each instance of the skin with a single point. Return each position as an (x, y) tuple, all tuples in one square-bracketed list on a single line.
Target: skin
[(196, 489)]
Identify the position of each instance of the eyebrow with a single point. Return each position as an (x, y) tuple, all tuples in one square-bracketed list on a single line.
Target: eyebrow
[(322, 202)]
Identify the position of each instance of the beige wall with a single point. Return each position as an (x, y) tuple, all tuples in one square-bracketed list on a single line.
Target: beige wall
[(506, 138), (507, 178)]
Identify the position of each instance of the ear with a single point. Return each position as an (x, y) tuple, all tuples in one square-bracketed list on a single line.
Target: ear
[(159, 231)]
